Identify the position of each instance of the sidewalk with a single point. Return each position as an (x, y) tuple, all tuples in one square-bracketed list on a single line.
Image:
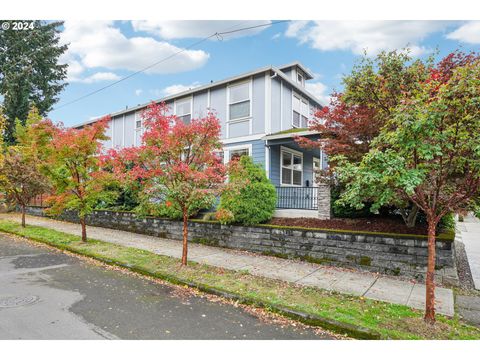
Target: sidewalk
[(357, 283), (470, 236)]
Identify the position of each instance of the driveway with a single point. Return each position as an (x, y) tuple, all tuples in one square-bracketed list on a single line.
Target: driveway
[(45, 294)]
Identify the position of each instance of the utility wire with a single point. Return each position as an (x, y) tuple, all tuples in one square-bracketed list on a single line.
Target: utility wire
[(218, 35)]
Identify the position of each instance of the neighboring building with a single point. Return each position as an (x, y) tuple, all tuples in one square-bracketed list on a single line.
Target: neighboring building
[(260, 112)]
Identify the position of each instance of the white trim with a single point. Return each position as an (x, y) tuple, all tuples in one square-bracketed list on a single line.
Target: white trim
[(281, 105), (135, 129), (249, 118), (268, 103), (267, 161), (209, 100), (227, 149), (243, 138), (302, 100), (123, 131), (113, 133), (293, 152), (290, 135)]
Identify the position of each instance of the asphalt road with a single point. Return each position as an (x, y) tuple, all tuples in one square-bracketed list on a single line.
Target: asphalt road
[(45, 294)]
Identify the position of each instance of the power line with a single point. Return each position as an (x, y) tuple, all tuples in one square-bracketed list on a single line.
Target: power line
[(218, 35)]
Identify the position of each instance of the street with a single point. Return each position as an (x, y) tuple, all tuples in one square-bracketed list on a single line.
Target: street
[(45, 294)]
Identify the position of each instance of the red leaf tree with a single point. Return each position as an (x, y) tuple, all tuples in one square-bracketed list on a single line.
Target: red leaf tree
[(72, 162), (177, 163)]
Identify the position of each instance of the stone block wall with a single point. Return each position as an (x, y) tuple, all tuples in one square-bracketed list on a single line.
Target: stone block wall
[(394, 255)]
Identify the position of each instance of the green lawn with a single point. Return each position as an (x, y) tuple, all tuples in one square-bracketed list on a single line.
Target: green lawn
[(391, 321)]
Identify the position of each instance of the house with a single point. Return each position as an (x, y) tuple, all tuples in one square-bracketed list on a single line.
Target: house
[(260, 113)]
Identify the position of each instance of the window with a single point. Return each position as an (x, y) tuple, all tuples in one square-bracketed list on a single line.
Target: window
[(239, 101), (300, 112), (138, 124), (183, 110), (300, 78), (234, 153), (291, 168)]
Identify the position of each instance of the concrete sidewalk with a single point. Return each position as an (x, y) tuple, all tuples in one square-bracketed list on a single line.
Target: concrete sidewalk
[(357, 283), (470, 236)]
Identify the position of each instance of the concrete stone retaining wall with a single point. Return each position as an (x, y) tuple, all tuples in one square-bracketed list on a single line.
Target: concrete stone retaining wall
[(378, 253)]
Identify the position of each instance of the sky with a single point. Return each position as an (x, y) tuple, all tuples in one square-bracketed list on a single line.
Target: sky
[(102, 52)]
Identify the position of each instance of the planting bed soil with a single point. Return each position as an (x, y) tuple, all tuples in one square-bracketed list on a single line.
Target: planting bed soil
[(371, 224)]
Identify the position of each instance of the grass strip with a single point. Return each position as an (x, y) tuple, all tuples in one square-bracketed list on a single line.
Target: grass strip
[(356, 316)]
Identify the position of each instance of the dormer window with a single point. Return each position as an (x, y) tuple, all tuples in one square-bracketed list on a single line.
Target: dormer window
[(300, 78)]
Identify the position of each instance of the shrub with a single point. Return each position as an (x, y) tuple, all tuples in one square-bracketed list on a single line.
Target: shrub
[(255, 202)]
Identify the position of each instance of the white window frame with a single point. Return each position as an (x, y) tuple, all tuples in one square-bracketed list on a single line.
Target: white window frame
[(137, 129), (292, 152), (227, 149), (250, 98), (302, 100), (182, 100), (302, 81)]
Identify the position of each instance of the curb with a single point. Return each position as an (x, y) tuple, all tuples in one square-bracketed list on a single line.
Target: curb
[(357, 332)]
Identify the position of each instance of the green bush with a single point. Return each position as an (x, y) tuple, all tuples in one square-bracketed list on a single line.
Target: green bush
[(255, 202), (345, 211)]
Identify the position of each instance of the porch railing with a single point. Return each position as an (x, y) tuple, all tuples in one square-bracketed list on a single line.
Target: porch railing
[(297, 197)]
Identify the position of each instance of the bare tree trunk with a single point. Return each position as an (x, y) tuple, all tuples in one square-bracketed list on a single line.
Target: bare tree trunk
[(23, 215), (185, 238), (430, 283), (84, 229), (412, 216)]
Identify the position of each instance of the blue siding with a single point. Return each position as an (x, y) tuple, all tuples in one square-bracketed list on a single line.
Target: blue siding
[(258, 149)]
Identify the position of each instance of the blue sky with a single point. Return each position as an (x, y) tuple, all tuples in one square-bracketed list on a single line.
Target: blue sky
[(104, 51)]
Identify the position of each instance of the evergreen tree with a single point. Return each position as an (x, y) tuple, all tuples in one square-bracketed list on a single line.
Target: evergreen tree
[(30, 75)]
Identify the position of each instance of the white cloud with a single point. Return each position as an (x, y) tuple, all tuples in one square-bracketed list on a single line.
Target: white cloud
[(356, 36), (97, 77), (319, 90), (467, 33), (181, 29), (138, 92), (177, 88), (99, 44)]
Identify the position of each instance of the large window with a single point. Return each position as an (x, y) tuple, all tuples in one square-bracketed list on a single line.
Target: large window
[(291, 168), (300, 112), (183, 110), (236, 152), (239, 101)]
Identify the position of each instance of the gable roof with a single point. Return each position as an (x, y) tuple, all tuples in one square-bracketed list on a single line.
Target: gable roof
[(219, 83)]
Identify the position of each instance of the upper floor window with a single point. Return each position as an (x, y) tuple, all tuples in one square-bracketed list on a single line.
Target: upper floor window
[(183, 110), (239, 101), (300, 112), (300, 79)]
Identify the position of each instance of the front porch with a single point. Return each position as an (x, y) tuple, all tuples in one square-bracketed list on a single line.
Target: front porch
[(292, 170)]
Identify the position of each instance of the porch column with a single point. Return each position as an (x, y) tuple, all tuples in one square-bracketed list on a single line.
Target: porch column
[(323, 198)]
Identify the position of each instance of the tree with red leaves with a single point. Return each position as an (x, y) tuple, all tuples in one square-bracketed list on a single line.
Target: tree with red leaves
[(177, 163), (428, 153), (72, 162)]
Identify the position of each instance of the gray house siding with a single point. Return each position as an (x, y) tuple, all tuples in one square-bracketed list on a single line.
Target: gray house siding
[(129, 129), (286, 107), (276, 105), (218, 101), (200, 105), (258, 105)]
